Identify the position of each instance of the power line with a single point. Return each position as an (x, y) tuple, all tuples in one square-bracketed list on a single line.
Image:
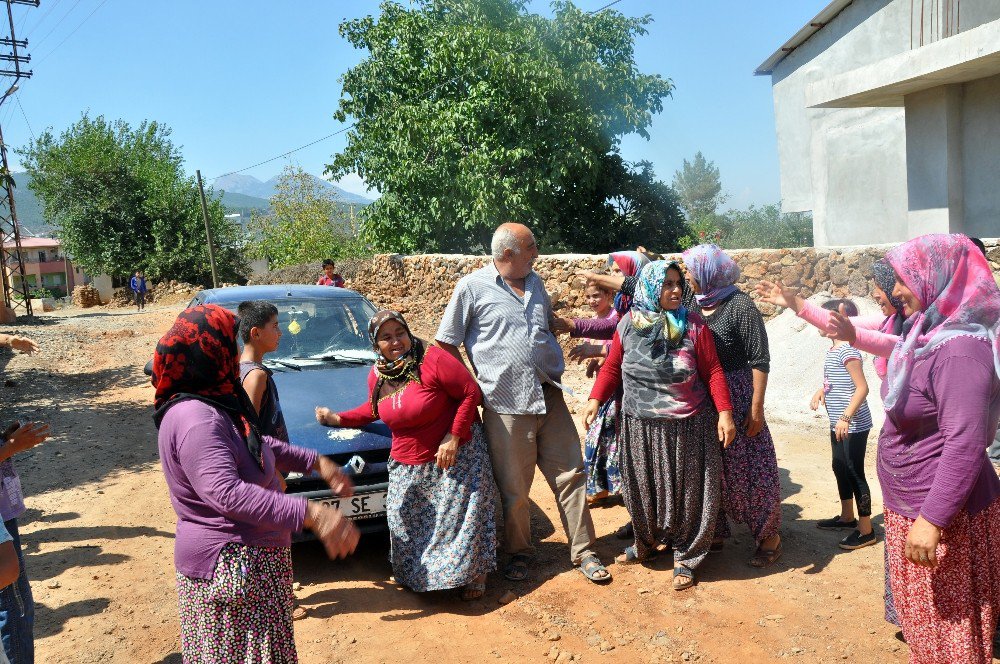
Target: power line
[(453, 79), (17, 98), (52, 6), (72, 32), (58, 23)]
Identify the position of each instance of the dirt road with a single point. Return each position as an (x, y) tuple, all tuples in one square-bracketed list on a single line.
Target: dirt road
[(99, 538)]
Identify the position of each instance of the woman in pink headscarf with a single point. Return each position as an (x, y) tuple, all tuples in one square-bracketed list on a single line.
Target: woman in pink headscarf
[(942, 398)]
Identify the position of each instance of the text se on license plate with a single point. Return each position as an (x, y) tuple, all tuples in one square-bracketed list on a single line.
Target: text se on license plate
[(361, 506)]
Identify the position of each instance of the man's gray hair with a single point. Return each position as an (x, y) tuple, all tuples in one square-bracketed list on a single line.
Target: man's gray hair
[(504, 239)]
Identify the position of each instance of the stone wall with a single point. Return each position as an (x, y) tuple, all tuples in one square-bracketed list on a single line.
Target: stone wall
[(420, 286)]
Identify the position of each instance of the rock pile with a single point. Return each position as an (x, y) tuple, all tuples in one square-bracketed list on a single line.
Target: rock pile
[(86, 296), (164, 292)]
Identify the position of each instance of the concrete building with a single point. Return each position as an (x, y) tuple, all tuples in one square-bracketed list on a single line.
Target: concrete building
[(45, 266), (888, 119)]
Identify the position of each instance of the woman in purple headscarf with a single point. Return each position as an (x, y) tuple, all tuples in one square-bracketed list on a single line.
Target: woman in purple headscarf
[(751, 485)]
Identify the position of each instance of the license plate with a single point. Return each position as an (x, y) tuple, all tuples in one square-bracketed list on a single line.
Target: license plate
[(361, 506)]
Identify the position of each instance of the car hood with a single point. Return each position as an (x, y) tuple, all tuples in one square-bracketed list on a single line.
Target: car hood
[(339, 388)]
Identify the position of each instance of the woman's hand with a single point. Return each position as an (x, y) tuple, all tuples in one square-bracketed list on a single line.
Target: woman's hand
[(339, 483), (590, 412), (840, 327), (921, 543), (842, 430), (327, 417), (585, 351), (28, 435), (560, 325), (338, 535), (447, 452), (817, 400), (754, 421), (23, 344), (727, 428), (778, 294)]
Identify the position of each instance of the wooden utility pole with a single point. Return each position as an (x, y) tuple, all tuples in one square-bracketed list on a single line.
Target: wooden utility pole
[(208, 230)]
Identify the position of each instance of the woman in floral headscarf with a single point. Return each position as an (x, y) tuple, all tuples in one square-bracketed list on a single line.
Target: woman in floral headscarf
[(441, 495), (942, 398), (234, 522), (675, 412), (751, 492)]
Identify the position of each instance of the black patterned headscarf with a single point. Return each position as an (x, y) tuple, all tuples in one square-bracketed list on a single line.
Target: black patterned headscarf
[(393, 375), (885, 279)]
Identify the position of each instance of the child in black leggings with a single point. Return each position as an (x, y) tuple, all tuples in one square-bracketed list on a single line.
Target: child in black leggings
[(844, 392)]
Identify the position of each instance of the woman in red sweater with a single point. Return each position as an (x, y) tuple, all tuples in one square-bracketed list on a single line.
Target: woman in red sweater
[(440, 501), (676, 409)]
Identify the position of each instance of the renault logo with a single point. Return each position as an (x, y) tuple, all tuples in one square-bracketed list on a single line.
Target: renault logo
[(357, 464)]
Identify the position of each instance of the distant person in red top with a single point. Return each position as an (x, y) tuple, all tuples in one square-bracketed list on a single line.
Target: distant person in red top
[(440, 501), (329, 277), (676, 409)]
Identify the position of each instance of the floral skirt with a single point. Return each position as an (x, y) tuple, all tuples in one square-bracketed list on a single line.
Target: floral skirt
[(442, 527), (243, 614), (601, 451), (948, 613), (751, 486)]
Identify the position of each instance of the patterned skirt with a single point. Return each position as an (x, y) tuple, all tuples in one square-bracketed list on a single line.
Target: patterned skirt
[(948, 613), (671, 483), (601, 451), (243, 614), (442, 527), (751, 485)]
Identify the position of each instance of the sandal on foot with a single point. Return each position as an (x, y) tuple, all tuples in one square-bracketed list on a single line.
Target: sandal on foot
[(631, 556), (683, 578), (517, 568), (592, 567), (765, 557), (299, 612), (626, 532), (473, 591)]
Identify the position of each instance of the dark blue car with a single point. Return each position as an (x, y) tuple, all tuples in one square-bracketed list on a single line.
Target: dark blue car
[(324, 359)]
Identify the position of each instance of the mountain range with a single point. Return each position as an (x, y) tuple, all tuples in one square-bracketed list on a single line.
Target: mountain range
[(248, 185), (240, 193)]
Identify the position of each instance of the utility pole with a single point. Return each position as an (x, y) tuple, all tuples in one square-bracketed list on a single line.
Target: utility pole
[(208, 230), (15, 291)]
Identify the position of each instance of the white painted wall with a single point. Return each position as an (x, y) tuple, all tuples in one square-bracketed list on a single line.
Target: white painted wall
[(981, 156)]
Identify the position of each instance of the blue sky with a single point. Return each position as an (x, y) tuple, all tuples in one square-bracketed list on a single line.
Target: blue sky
[(243, 81)]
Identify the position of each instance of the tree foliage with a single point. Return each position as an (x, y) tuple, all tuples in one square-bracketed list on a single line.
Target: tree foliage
[(304, 223), (120, 201), (699, 187), (469, 113), (765, 227)]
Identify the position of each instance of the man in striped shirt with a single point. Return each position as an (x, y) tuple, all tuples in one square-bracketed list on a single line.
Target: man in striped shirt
[(501, 313)]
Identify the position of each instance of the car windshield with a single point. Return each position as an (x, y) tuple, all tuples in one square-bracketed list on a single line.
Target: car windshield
[(334, 329)]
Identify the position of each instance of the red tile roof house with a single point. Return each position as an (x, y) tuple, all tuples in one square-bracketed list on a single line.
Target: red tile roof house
[(45, 266)]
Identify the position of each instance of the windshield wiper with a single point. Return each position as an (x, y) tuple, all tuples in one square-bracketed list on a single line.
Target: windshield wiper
[(334, 357), (282, 363)]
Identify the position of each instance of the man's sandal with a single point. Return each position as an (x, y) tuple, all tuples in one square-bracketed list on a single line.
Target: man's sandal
[(683, 578), (517, 568), (592, 568)]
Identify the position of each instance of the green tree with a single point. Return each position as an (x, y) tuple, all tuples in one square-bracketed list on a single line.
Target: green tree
[(765, 227), (304, 223), (699, 187), (471, 112), (120, 201)]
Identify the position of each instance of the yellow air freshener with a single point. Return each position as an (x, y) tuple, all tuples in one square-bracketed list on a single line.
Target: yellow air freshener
[(294, 327)]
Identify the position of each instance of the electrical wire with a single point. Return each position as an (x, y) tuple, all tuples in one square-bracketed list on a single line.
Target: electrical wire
[(72, 32), (453, 79), (17, 98), (58, 23)]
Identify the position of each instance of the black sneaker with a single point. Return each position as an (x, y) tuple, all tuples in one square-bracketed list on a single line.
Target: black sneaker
[(836, 524), (858, 541)]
